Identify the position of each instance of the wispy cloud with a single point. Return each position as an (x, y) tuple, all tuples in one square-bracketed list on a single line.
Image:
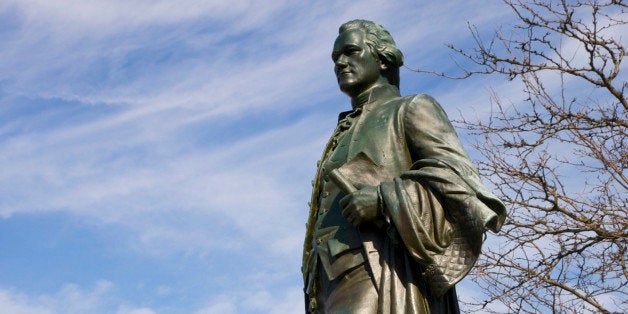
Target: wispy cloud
[(287, 301), (70, 299)]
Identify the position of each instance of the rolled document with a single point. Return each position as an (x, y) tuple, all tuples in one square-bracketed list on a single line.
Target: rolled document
[(341, 181)]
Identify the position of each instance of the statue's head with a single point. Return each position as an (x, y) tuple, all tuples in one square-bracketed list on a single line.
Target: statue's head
[(364, 55)]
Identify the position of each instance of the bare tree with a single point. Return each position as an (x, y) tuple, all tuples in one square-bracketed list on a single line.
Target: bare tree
[(558, 160)]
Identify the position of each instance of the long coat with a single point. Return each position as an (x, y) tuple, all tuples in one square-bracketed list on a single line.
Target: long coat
[(435, 206)]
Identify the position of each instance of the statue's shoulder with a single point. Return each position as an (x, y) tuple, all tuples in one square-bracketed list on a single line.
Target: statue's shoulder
[(422, 100), (414, 107), (403, 101), (421, 104)]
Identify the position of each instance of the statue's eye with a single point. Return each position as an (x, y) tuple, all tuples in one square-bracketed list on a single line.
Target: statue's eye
[(353, 50)]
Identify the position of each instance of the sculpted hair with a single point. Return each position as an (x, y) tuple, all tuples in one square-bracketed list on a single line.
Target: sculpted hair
[(381, 44)]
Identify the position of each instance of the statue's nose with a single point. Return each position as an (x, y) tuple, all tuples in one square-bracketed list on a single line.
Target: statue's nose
[(341, 62)]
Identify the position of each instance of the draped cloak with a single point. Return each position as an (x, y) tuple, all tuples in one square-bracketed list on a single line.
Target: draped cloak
[(435, 206)]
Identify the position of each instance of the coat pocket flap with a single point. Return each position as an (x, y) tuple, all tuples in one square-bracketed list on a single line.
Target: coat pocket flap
[(344, 241)]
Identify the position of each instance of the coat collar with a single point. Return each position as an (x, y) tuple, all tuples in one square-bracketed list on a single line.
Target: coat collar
[(374, 94), (370, 96)]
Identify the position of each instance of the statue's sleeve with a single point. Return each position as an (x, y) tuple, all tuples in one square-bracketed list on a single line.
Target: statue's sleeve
[(440, 199)]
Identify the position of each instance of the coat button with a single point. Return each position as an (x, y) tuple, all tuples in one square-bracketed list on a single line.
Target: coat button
[(325, 194)]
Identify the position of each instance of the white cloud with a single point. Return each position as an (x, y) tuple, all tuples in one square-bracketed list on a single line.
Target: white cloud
[(19, 304), (219, 307), (136, 311), (71, 298), (286, 301)]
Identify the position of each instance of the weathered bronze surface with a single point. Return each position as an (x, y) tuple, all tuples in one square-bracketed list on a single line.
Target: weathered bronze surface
[(398, 210)]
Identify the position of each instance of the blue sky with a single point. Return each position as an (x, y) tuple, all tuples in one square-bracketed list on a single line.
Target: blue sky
[(156, 156)]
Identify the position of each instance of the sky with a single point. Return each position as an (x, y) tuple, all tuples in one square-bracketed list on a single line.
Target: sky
[(157, 156)]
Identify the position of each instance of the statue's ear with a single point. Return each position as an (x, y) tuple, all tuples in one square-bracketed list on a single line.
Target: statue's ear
[(382, 65)]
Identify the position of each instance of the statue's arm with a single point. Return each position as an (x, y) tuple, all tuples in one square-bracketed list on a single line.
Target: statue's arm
[(440, 161), (438, 190)]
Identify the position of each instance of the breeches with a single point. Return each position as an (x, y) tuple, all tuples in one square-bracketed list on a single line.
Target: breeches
[(352, 292)]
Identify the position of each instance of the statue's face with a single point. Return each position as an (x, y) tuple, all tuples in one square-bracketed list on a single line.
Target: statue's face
[(357, 69)]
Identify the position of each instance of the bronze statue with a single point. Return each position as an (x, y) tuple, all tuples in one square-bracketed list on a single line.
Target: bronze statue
[(398, 210)]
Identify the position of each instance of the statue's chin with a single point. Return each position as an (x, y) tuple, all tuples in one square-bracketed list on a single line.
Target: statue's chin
[(348, 88)]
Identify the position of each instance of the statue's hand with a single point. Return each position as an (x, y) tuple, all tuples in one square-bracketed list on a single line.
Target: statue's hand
[(361, 206)]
